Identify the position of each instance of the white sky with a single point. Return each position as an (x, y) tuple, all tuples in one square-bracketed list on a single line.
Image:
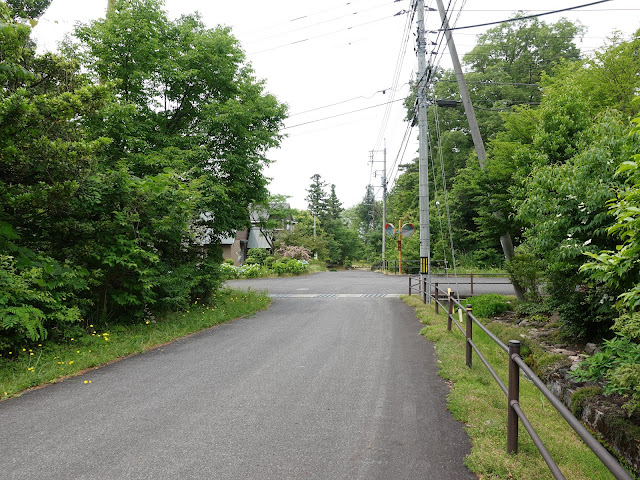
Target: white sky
[(315, 54)]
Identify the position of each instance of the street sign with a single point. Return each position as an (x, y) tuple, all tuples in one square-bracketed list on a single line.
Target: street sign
[(390, 229), (407, 230)]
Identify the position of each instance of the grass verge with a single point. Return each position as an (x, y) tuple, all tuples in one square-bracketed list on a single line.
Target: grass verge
[(477, 401), (50, 362)]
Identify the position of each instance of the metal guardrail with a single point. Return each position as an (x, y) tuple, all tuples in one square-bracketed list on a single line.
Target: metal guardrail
[(512, 388), (411, 267)]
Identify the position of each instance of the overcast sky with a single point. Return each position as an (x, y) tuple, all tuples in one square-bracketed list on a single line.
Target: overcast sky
[(328, 59)]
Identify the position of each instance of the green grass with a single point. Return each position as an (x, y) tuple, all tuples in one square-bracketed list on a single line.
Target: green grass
[(49, 362), (477, 401)]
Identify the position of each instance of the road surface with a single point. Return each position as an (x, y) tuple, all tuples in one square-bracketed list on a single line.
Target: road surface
[(331, 382)]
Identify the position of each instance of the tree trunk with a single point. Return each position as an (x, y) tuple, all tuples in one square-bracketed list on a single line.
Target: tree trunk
[(507, 248)]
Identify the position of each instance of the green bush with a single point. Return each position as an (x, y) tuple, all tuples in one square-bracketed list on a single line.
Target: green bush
[(534, 308), (618, 364), (37, 298), (488, 305), (526, 270), (229, 271), (257, 256)]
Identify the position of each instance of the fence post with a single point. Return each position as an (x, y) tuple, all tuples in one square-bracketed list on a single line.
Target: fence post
[(513, 396), (437, 294), (450, 311), (471, 277), (424, 289), (409, 284), (469, 334)]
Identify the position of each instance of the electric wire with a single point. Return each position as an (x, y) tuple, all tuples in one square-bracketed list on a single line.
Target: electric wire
[(341, 114), (383, 91), (396, 75), (322, 35), (529, 16), (279, 34)]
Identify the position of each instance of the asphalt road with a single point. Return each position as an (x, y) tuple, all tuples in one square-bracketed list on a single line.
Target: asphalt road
[(359, 281), (339, 386)]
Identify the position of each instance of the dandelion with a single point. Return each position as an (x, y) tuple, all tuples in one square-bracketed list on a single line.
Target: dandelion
[(24, 349), (72, 339), (71, 362), (39, 344), (86, 382), (90, 326), (31, 353), (77, 351), (31, 369)]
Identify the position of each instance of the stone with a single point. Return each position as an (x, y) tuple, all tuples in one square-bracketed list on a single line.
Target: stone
[(591, 348)]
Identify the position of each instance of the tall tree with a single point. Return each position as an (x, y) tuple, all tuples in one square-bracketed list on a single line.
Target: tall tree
[(334, 205), (316, 198)]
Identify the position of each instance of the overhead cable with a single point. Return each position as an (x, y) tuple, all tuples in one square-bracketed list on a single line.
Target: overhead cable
[(515, 19), (343, 114)]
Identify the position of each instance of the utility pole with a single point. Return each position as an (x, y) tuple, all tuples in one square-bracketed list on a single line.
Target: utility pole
[(505, 239), (423, 151), (384, 200), (384, 207), (464, 92)]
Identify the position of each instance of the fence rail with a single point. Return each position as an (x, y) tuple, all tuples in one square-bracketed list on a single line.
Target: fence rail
[(412, 267), (512, 388)]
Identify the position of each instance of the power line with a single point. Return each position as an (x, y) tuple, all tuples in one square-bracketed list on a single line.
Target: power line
[(345, 113), (383, 91), (529, 16), (323, 35), (319, 23), (404, 41)]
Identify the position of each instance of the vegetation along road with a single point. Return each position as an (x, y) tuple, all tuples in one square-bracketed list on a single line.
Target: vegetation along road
[(333, 386)]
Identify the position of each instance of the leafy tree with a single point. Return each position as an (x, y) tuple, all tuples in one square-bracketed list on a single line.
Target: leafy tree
[(303, 235), (272, 216), (112, 153), (619, 269)]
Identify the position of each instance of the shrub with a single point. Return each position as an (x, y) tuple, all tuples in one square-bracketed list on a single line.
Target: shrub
[(229, 271), (488, 305), (253, 271), (257, 256), (526, 270), (619, 365), (533, 308), (291, 251), (279, 268), (38, 298)]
